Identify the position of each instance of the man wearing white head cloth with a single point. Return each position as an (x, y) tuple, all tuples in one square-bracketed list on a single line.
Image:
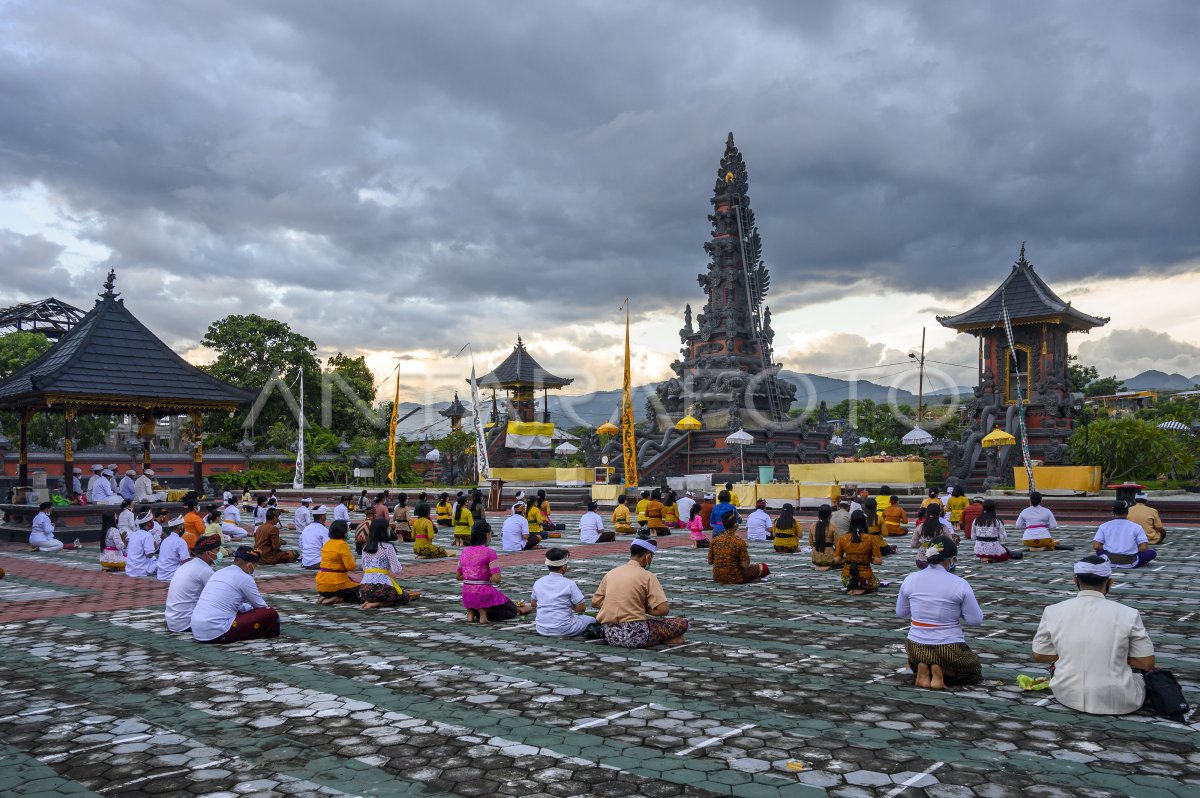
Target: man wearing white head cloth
[(1094, 644), (633, 606), (111, 471), (515, 534), (102, 492), (95, 477), (127, 487), (143, 488), (1122, 541), (140, 550), (303, 515)]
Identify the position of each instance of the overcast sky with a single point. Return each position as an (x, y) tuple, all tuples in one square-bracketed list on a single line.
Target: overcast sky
[(397, 179)]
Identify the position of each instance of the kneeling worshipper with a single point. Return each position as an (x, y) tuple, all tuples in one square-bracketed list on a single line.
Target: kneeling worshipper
[(633, 607), (591, 527), (822, 537), (230, 608), (312, 540), (189, 581), (381, 565), (1093, 645), (990, 535), (479, 572), (423, 532), (463, 521), (856, 552), (173, 551), (1145, 515), (112, 548), (269, 545), (758, 524), (102, 490), (143, 488), (1122, 541), (937, 601), (620, 516), (930, 527), (556, 599), (515, 535), (1037, 522), (334, 584), (729, 556), (893, 516), (41, 534), (231, 520), (139, 553)]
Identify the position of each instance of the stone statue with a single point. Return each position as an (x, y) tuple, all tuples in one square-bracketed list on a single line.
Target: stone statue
[(735, 418), (822, 413)]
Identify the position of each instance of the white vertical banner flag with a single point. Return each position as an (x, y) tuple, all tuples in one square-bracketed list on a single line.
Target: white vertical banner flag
[(481, 454), (298, 478)]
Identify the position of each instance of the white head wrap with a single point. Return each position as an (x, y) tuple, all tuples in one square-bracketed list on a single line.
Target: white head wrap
[(1104, 569), (176, 521), (144, 518), (319, 510), (648, 545)]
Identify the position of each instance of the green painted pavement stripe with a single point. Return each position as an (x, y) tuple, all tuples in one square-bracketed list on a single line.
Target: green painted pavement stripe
[(946, 699), (704, 773), (23, 776), (1038, 767), (275, 753)]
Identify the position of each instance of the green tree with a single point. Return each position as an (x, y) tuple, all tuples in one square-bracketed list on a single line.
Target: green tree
[(250, 351), (19, 349), (1105, 386), (345, 416), (1128, 448), (1078, 375)]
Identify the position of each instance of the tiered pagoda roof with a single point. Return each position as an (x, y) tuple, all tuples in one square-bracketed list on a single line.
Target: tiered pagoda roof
[(1029, 301), (51, 317), (111, 362), (520, 370), (456, 409)]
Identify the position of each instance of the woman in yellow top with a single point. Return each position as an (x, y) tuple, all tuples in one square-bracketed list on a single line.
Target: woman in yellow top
[(463, 519), (894, 517), (932, 498), (654, 514), (671, 510), (334, 584), (423, 532), (534, 517), (786, 531), (643, 502), (620, 516), (955, 506), (443, 510)]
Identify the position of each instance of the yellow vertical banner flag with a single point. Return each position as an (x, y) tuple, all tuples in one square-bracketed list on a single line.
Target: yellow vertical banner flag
[(392, 429), (628, 448)]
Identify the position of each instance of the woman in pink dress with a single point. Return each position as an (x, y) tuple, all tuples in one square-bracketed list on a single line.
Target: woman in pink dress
[(479, 572)]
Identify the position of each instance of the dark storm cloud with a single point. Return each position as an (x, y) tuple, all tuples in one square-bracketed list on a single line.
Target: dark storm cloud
[(368, 168)]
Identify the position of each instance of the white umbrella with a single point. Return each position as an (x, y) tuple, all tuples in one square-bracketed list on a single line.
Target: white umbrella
[(740, 439), (1174, 425), (916, 437), (566, 449), (433, 455)]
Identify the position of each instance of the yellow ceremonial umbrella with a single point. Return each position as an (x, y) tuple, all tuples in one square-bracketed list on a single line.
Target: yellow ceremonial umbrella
[(686, 424), (607, 428), (997, 437)]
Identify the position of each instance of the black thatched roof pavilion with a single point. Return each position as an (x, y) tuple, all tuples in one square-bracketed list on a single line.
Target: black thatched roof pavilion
[(109, 362)]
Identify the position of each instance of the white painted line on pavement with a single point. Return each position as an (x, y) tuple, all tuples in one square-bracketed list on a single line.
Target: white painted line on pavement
[(604, 720), (914, 779), (715, 740)]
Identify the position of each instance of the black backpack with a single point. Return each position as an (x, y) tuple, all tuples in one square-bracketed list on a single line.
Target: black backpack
[(1165, 696)]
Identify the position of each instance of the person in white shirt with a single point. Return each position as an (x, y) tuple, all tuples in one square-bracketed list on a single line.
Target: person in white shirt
[(591, 527), (1122, 541), (684, 505), (156, 529), (1094, 644), (189, 581), (111, 472), (303, 515), (342, 511), (556, 599), (41, 535), (127, 519), (102, 492), (515, 534), (230, 608), (143, 488), (95, 477), (1037, 523), (312, 538), (76, 486), (139, 552), (758, 525), (260, 511), (173, 551), (938, 602), (127, 485), (231, 520)]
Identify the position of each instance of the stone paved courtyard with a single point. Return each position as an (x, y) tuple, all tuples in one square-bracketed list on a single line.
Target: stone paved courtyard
[(789, 688)]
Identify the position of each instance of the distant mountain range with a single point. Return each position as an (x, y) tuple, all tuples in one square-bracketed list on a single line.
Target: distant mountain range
[(593, 409), (1154, 380)]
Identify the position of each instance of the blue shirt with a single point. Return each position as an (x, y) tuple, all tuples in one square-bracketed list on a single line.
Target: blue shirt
[(718, 512)]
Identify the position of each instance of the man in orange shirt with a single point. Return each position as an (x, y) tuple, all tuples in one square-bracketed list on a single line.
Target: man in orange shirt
[(193, 524)]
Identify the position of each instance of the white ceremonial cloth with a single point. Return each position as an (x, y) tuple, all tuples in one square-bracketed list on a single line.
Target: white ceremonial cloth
[(1037, 523), (512, 534), (556, 597), (225, 595), (302, 517), (186, 586), (341, 513)]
